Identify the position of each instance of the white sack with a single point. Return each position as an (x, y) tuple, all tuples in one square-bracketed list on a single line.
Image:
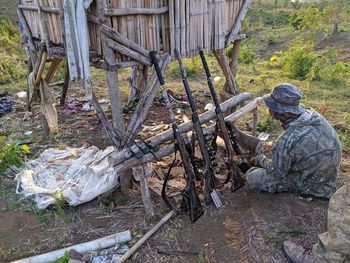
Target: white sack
[(78, 174)]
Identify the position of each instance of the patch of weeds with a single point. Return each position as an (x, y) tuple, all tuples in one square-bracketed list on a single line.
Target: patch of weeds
[(272, 38), (169, 233), (12, 54), (247, 53), (272, 239), (267, 123), (201, 258), (291, 231), (11, 154), (44, 216), (129, 106), (344, 137), (193, 67), (64, 258), (59, 208)]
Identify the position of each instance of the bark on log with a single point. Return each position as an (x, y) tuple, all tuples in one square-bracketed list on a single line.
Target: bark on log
[(101, 243), (120, 157), (127, 163)]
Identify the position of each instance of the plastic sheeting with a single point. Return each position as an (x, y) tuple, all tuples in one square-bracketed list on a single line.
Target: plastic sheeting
[(76, 174)]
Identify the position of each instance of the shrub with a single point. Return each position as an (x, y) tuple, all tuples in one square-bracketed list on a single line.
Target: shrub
[(272, 38), (247, 54), (11, 53), (193, 68), (11, 154), (298, 61)]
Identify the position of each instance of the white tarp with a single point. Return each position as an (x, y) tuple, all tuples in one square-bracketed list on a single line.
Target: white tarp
[(76, 174)]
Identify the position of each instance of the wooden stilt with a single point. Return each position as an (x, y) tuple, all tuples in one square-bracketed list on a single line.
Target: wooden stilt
[(52, 70), (234, 63), (65, 86), (142, 172), (114, 92)]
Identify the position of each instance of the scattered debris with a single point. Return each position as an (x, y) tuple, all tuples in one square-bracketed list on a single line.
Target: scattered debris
[(5, 106), (76, 106), (22, 95), (28, 133), (263, 136), (76, 174), (216, 79)]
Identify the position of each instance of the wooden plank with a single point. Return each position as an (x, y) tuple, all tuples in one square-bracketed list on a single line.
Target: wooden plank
[(114, 92), (46, 9), (115, 35), (128, 52), (135, 11)]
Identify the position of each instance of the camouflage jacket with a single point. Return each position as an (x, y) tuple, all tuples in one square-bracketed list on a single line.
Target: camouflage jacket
[(306, 156)]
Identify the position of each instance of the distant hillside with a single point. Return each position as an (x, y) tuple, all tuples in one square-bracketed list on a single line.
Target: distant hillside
[(8, 8)]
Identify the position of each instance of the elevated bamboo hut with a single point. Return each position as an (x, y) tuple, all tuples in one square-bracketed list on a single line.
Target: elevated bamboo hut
[(120, 34)]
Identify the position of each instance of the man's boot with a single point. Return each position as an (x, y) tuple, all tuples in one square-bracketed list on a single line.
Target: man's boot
[(298, 254)]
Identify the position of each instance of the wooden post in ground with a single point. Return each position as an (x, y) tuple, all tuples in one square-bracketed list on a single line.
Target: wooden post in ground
[(234, 62), (114, 92), (65, 86), (142, 172)]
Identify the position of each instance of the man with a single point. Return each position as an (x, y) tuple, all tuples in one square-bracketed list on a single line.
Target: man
[(305, 158), (334, 245)]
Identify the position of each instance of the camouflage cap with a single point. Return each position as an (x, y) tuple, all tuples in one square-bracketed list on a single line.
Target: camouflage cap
[(284, 98)]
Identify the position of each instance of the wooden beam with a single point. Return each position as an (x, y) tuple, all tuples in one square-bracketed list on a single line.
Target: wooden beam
[(115, 35), (135, 11), (128, 52), (114, 92), (113, 136), (101, 64), (122, 164), (238, 23), (185, 127), (52, 70), (46, 9), (143, 107)]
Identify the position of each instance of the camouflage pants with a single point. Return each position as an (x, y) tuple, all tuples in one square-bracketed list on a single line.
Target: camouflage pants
[(293, 182), (260, 179), (334, 245)]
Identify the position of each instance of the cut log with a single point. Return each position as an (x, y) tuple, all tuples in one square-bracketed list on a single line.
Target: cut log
[(97, 244), (122, 160)]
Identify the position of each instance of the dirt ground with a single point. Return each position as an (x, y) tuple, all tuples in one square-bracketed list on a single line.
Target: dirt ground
[(249, 228)]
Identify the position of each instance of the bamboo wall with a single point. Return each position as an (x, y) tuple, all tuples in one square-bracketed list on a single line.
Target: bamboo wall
[(186, 24)]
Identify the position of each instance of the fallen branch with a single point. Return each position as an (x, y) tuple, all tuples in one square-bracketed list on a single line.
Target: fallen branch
[(97, 244)]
